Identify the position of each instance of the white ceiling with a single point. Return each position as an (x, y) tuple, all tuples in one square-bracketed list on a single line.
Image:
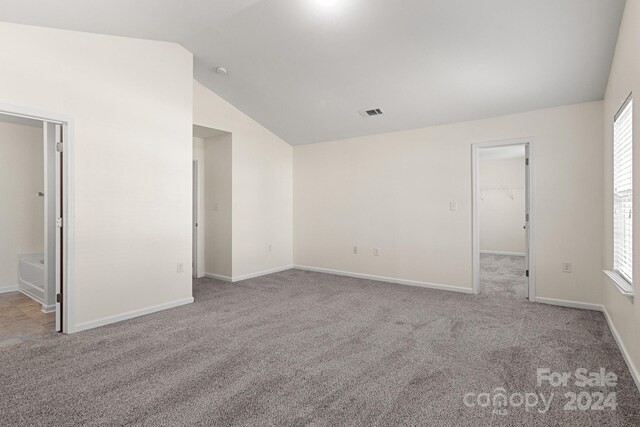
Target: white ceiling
[(304, 69)]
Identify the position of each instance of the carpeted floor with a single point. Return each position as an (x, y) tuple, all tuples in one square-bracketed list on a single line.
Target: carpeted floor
[(503, 275), (300, 348)]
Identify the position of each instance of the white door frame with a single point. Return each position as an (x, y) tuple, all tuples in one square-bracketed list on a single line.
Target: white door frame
[(195, 221), (68, 230), (475, 226)]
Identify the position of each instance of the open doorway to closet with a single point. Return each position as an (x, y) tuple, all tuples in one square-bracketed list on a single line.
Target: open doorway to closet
[(32, 185), (211, 203), (502, 219)]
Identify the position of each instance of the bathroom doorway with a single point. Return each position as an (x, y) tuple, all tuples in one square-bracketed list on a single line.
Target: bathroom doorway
[(32, 193)]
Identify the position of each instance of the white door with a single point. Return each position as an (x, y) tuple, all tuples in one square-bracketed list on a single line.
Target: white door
[(527, 213), (59, 276)]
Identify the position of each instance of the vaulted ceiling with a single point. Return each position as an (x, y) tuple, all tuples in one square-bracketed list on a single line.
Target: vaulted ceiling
[(305, 68)]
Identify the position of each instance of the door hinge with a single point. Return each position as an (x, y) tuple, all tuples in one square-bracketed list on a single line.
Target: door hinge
[(59, 147), (58, 298), (526, 217), (59, 222), (526, 273), (526, 162)]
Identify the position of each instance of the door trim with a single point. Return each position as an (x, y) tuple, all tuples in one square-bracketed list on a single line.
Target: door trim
[(475, 197), (68, 203), (195, 220)]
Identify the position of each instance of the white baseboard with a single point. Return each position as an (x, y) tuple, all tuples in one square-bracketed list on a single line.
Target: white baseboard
[(502, 253), (261, 273), (218, 277), (48, 308), (131, 314), (570, 304), (247, 276), (386, 279), (625, 354), (5, 289), (616, 336)]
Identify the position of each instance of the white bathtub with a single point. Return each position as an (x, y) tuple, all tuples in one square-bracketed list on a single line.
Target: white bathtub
[(31, 276)]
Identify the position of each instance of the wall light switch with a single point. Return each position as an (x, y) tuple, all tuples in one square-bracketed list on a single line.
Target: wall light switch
[(453, 206), (566, 267), (376, 252), (179, 268), (355, 250)]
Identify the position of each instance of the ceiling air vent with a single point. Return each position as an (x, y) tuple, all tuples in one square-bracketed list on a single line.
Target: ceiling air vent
[(370, 113)]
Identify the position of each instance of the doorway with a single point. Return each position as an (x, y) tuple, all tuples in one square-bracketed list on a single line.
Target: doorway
[(33, 253), (502, 219), (211, 203)]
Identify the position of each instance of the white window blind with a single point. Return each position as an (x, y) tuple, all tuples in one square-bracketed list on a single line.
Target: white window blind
[(623, 191)]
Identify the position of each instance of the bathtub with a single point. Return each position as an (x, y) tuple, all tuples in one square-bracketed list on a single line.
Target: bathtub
[(31, 276)]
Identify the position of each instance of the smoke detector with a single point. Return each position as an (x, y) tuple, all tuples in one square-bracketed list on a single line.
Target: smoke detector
[(370, 113), (221, 71)]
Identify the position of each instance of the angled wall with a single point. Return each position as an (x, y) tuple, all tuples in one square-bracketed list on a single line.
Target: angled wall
[(262, 196)]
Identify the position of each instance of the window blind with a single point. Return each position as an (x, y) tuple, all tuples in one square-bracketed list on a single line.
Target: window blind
[(623, 191)]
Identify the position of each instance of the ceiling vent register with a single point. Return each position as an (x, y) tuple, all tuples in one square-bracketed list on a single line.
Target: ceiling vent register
[(370, 113)]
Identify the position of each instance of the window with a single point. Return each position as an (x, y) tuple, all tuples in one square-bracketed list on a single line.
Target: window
[(623, 192)]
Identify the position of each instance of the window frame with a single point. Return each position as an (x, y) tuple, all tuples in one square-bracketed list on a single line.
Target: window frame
[(622, 280)]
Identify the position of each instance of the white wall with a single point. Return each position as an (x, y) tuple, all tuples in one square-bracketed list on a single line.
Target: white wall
[(261, 186), (131, 101), (624, 79), (502, 206), (217, 216), (21, 209), (392, 191), (199, 156)]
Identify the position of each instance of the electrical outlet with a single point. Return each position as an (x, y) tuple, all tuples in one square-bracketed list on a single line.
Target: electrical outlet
[(566, 267), (180, 267), (355, 250), (215, 206), (453, 206), (270, 248), (376, 252)]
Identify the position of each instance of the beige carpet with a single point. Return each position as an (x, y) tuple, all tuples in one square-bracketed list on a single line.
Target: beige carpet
[(299, 348)]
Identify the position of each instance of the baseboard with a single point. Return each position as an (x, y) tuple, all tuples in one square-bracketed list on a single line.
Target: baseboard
[(386, 279), (502, 253), (131, 314), (625, 354), (26, 292), (570, 304), (5, 289), (261, 273), (218, 277), (48, 308)]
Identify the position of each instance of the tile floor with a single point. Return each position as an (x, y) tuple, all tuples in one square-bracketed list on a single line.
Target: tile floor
[(21, 319)]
